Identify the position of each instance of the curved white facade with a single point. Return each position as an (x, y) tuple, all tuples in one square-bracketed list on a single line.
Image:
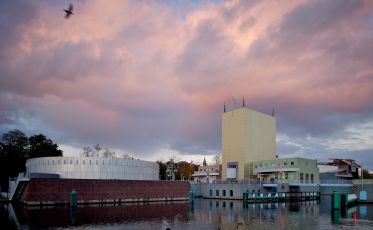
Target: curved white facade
[(95, 168)]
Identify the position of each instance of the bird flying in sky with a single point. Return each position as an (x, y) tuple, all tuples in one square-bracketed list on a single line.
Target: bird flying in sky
[(69, 11)]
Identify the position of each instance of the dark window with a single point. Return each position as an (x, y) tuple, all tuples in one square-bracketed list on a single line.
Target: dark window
[(83, 162), (285, 163), (224, 193), (58, 162), (231, 192), (90, 162), (217, 192), (64, 162), (292, 163), (210, 192), (301, 178), (71, 162), (286, 175), (77, 162), (306, 177), (311, 178)]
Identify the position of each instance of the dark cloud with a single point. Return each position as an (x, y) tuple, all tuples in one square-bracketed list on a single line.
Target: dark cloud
[(141, 78)]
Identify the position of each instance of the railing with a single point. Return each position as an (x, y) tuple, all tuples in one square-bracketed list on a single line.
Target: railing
[(14, 181), (284, 181), (364, 181)]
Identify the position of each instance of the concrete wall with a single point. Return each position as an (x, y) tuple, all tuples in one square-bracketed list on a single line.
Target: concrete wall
[(247, 136), (95, 168), (54, 191)]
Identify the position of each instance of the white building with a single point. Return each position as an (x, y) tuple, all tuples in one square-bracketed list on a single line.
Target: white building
[(94, 168), (207, 174)]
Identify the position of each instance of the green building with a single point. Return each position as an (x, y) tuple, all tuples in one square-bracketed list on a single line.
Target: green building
[(296, 169)]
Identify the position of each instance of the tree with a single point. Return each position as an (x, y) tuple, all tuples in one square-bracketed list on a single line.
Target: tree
[(16, 148), (162, 170), (217, 159), (185, 171), (109, 153), (41, 146), (87, 152)]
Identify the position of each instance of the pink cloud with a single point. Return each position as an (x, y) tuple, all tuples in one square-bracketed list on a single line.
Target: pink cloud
[(135, 70)]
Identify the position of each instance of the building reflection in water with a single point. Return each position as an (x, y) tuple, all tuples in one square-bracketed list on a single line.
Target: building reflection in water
[(199, 214)]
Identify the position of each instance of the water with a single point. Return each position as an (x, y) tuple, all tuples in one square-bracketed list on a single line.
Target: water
[(202, 214)]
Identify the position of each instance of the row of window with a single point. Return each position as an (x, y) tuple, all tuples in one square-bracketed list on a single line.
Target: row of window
[(274, 164), (217, 193), (58, 162), (307, 177)]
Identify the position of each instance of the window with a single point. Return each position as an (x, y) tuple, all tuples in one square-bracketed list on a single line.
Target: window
[(90, 162), (256, 166), (292, 163), (286, 176), (301, 177), (53, 162), (231, 192), (103, 162), (96, 162), (77, 161), (71, 162), (64, 162), (312, 178), (83, 162), (224, 193), (265, 164), (306, 177), (58, 162), (210, 192), (285, 163), (217, 192)]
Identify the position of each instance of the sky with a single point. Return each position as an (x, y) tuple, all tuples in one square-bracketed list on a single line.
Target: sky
[(150, 78)]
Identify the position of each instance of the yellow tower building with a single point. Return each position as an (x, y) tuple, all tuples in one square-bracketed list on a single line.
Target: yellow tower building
[(247, 136)]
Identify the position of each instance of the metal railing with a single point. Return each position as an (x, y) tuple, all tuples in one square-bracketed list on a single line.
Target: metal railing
[(284, 181), (365, 181), (14, 181)]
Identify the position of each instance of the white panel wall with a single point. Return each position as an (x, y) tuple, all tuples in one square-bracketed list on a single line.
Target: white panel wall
[(95, 168)]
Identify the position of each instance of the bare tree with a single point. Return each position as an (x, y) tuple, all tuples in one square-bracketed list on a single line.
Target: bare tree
[(87, 152), (217, 159), (109, 153)]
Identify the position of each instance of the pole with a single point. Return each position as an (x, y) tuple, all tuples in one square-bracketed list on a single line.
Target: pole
[(362, 179)]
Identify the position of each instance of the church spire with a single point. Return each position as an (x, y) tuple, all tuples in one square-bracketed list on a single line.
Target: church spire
[(204, 162)]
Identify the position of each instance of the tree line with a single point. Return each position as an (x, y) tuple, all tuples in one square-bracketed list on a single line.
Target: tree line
[(16, 148)]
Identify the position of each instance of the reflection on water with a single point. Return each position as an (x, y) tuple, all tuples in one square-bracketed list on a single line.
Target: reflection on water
[(201, 214)]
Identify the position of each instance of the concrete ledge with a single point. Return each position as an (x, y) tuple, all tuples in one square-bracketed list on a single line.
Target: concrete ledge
[(107, 201)]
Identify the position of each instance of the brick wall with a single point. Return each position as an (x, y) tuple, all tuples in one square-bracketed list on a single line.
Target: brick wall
[(58, 190)]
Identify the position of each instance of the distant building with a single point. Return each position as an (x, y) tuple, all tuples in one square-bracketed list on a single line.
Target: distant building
[(207, 173), (247, 136), (339, 169), (93, 168), (293, 169)]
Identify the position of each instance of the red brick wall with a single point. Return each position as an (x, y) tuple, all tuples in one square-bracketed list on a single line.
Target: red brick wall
[(58, 190)]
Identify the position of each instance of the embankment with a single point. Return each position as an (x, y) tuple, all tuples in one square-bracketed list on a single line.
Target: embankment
[(57, 191)]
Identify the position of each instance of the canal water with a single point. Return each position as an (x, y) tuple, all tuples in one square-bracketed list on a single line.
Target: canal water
[(201, 214)]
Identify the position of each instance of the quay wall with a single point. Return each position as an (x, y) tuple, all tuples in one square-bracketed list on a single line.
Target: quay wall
[(235, 191), (57, 191)]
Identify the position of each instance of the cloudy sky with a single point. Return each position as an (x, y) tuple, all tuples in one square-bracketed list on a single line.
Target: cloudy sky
[(149, 78)]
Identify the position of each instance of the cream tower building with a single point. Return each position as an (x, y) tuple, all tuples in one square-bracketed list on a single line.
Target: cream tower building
[(247, 136)]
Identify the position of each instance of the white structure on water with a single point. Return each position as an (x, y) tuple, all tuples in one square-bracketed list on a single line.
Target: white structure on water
[(94, 168)]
